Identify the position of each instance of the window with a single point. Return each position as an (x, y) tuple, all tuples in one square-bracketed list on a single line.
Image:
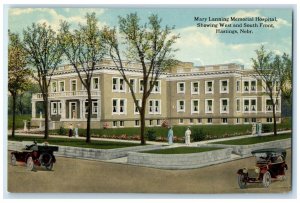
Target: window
[(246, 105), (62, 86), (95, 107), (253, 120), (156, 88), (209, 87), (199, 120), (132, 83), (118, 85), (269, 120), (73, 85), (54, 87), (269, 105), (181, 87), (154, 106), (238, 86), (137, 123), (277, 106), (53, 108), (194, 87), (224, 108), (253, 86), (122, 123), (141, 85), (86, 107), (59, 107), (238, 105), (224, 86), (150, 122), (208, 106), (95, 83), (246, 86), (158, 122), (237, 120), (191, 121), (253, 104), (195, 105), (224, 120), (246, 120), (180, 121), (209, 120), (136, 110), (119, 106), (82, 86), (180, 106), (115, 124)]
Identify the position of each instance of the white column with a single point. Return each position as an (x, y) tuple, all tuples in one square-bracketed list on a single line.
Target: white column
[(82, 110), (63, 109), (33, 112)]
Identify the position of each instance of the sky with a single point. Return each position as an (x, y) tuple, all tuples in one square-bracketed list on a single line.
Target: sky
[(202, 46)]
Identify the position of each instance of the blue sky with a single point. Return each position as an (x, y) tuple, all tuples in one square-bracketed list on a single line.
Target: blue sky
[(202, 46)]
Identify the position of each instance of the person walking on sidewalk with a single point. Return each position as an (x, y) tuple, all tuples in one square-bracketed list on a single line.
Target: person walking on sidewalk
[(170, 136), (71, 130), (187, 136)]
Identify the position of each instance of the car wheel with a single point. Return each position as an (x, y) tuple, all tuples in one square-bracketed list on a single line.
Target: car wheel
[(49, 166), (13, 160), (266, 179), (29, 164), (241, 181)]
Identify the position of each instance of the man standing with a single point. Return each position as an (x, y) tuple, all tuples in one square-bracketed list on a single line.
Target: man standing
[(187, 136), (170, 136)]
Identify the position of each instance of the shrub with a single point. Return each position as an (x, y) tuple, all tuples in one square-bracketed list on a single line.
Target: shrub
[(198, 134), (266, 128), (62, 131), (151, 135)]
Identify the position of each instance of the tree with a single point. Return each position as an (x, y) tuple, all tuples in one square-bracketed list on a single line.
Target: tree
[(150, 45), (287, 79), (84, 48), (17, 71), (44, 54), (272, 71)]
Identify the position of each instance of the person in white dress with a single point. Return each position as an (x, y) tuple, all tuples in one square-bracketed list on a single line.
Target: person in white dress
[(187, 136)]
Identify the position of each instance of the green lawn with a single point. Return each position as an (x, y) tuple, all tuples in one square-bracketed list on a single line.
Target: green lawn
[(75, 142), (19, 120), (181, 150), (254, 140)]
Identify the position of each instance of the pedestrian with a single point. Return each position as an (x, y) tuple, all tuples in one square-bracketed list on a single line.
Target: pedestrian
[(76, 131), (170, 135), (71, 130), (187, 136)]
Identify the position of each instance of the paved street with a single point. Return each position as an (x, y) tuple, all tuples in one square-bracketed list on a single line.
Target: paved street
[(75, 175)]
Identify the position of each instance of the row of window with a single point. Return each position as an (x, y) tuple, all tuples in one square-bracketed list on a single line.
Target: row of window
[(192, 121), (249, 105), (56, 107), (119, 106), (119, 85), (59, 86), (248, 86)]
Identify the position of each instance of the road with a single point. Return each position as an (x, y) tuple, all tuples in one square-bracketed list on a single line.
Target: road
[(85, 176)]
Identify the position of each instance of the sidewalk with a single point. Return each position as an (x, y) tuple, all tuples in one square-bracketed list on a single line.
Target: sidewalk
[(20, 132)]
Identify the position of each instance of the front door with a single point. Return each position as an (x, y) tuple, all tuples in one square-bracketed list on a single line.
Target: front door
[(73, 110)]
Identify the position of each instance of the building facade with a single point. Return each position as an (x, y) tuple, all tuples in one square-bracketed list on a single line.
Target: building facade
[(185, 95)]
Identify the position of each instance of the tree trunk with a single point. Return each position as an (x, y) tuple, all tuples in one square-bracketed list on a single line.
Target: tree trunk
[(88, 124), (142, 116), (14, 97), (274, 121), (45, 104)]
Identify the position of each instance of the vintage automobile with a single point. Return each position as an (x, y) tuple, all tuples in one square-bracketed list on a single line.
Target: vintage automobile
[(270, 163), (35, 155)]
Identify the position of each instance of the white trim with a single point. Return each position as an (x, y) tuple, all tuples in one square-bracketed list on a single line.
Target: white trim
[(227, 87), (240, 86), (72, 86), (118, 106), (212, 87), (59, 86), (255, 86), (238, 99), (178, 88), (179, 121), (210, 122), (222, 123), (192, 87), (141, 86), (118, 84), (98, 88), (134, 84), (221, 105), (52, 108), (82, 86), (54, 82), (212, 106), (138, 123), (192, 106), (134, 107), (178, 105), (159, 88), (243, 86), (70, 110), (93, 106), (153, 107)]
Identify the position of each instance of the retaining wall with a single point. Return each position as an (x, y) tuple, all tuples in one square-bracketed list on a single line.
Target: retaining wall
[(87, 153), (245, 150), (179, 161)]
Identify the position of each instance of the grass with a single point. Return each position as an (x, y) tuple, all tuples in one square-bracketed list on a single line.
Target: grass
[(19, 120), (75, 142), (254, 140), (181, 150)]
